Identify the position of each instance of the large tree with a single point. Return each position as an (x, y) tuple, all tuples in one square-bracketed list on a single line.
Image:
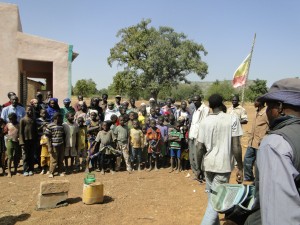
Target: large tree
[(85, 87), (154, 59)]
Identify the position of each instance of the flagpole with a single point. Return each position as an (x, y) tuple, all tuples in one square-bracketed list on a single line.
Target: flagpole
[(243, 89)]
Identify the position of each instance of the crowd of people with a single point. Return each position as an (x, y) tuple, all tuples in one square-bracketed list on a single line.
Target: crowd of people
[(110, 136), (104, 136)]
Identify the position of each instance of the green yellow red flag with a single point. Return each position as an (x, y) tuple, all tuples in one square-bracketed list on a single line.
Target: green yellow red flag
[(240, 75)]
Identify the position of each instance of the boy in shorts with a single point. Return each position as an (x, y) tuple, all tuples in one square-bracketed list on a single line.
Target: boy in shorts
[(71, 141), (175, 140), (12, 144)]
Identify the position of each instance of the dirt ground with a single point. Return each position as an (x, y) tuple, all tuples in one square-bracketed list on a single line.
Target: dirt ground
[(155, 197)]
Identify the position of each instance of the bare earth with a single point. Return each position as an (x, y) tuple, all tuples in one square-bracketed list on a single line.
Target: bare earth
[(155, 197)]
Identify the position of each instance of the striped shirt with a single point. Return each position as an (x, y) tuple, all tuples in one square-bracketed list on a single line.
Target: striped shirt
[(55, 133)]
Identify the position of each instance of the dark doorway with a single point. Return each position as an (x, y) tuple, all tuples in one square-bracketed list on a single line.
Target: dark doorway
[(34, 69)]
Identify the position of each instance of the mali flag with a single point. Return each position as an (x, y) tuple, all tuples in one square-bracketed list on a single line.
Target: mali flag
[(240, 75)]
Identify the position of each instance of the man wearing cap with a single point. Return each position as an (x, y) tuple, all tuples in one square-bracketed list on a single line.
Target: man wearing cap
[(278, 158), (118, 102), (66, 109)]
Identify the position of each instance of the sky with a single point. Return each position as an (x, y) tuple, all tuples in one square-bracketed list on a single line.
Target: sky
[(225, 28)]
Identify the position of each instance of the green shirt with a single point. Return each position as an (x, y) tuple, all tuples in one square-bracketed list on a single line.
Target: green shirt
[(175, 144), (64, 111), (121, 133)]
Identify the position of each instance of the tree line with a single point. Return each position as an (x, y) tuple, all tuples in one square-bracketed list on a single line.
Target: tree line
[(87, 88)]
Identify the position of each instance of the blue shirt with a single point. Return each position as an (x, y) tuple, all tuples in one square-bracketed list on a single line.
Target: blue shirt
[(279, 198), (19, 110)]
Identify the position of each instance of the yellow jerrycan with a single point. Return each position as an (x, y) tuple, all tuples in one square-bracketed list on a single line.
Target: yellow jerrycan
[(92, 190)]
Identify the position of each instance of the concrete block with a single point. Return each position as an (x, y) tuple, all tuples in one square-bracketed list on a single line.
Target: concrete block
[(51, 200), (54, 186)]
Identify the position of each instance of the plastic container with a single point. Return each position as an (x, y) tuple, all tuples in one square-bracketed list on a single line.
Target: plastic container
[(92, 193), (90, 178)]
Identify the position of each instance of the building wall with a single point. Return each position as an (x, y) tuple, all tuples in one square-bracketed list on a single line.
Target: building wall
[(15, 45), (36, 48), (9, 71)]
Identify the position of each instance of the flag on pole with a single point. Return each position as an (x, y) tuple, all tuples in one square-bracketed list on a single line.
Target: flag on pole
[(240, 75)]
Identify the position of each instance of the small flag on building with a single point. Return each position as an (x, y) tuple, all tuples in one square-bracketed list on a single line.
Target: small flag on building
[(240, 75)]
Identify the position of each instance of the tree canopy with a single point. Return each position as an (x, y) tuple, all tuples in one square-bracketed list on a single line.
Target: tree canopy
[(223, 88), (257, 88), (154, 59), (85, 87)]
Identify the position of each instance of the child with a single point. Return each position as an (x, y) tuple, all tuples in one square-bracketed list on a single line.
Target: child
[(164, 139), (41, 123), (145, 148), (136, 142), (81, 111), (166, 118), (185, 148), (113, 122), (153, 114), (71, 140), (2, 145), (157, 111), (55, 133), (172, 121), (45, 156), (27, 140), (142, 115), (153, 137), (122, 137), (93, 127), (12, 143), (106, 152), (130, 121), (82, 145), (175, 138)]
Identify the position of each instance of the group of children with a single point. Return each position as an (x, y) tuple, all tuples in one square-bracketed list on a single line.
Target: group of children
[(71, 142)]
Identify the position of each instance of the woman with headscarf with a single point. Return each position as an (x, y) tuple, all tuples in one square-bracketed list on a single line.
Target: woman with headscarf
[(53, 107)]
